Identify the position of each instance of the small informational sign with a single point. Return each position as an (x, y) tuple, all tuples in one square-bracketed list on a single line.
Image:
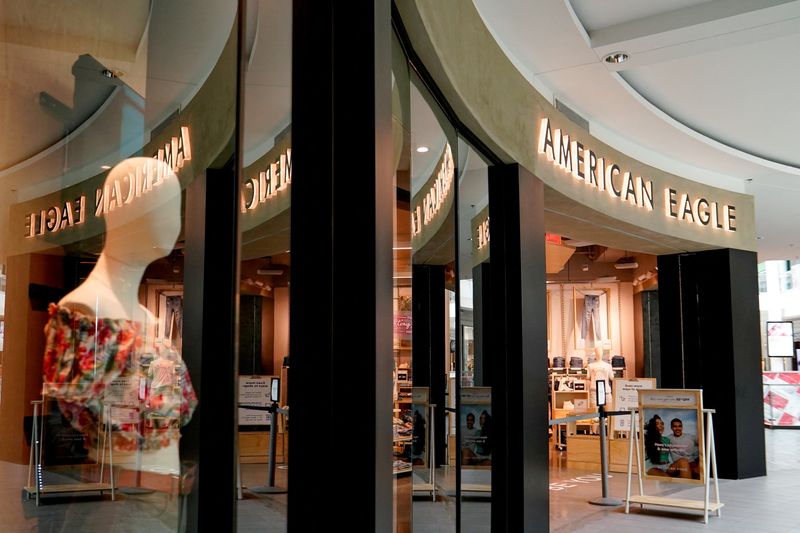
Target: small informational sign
[(671, 423), (601, 392), (254, 391), (626, 398), (123, 391), (780, 339)]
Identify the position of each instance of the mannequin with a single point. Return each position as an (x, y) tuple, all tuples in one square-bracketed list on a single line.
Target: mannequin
[(96, 332), (137, 233), (600, 369)]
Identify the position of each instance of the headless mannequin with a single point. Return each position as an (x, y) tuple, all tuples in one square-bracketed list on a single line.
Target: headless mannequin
[(600, 369), (138, 232)]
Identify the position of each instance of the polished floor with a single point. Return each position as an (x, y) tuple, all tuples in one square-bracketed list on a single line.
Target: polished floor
[(764, 505)]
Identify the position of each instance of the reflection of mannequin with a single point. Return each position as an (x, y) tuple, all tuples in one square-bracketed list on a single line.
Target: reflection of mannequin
[(598, 370), (161, 373)]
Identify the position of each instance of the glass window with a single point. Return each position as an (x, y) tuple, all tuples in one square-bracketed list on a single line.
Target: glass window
[(264, 222), (111, 113)]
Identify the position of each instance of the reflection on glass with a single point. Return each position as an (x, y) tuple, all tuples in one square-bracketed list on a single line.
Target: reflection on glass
[(266, 266), (96, 154), (475, 391), (432, 192)]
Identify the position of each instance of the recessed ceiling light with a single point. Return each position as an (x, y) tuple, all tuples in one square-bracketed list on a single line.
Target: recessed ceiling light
[(105, 167), (422, 149), (616, 57)]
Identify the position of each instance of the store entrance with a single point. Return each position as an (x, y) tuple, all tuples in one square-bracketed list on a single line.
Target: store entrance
[(602, 326)]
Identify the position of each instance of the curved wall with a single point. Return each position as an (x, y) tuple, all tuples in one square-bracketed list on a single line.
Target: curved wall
[(499, 105)]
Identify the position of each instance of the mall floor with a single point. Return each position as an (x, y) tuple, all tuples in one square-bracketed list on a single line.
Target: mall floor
[(765, 505)]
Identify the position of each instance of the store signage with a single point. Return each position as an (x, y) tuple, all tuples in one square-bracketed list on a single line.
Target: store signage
[(269, 182), (434, 199), (482, 238), (605, 176), (123, 190)]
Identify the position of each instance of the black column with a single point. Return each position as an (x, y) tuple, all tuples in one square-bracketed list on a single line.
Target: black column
[(517, 346), (341, 301), (428, 344), (708, 306), (651, 336), (482, 312), (210, 325)]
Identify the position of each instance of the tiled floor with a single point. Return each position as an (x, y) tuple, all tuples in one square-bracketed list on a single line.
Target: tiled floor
[(766, 504)]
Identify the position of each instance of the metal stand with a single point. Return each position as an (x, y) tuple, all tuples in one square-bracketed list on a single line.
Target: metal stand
[(605, 499), (37, 487), (270, 487), (137, 489)]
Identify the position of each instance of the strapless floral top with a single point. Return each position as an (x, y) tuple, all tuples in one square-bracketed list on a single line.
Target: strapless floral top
[(84, 354)]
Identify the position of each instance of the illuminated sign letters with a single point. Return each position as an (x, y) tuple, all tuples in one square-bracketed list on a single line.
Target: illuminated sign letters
[(269, 182), (434, 199), (619, 184), (113, 195)]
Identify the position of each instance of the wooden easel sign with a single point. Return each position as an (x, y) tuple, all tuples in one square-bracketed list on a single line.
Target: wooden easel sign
[(671, 421)]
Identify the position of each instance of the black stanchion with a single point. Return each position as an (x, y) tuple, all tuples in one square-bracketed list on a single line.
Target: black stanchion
[(604, 499), (270, 487)]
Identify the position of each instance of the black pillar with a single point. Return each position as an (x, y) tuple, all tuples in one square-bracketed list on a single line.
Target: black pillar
[(341, 299), (208, 442), (482, 312), (708, 306), (428, 344), (651, 336), (517, 345)]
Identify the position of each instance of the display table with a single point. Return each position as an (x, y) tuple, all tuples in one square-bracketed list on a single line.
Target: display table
[(583, 452), (781, 399)]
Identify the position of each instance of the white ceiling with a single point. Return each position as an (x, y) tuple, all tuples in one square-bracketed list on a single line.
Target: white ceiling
[(711, 90)]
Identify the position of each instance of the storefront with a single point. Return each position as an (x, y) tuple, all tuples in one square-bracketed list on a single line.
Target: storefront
[(403, 226)]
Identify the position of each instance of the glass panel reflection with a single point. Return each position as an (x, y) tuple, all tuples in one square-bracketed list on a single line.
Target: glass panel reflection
[(111, 114), (474, 380), (266, 269), (433, 145)]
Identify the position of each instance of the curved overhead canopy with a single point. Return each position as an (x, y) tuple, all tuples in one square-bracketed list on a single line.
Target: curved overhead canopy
[(708, 91)]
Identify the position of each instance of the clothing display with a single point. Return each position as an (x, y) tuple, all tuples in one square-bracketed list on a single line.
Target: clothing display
[(600, 370), (559, 362), (174, 319), (575, 363), (591, 312), (84, 355)]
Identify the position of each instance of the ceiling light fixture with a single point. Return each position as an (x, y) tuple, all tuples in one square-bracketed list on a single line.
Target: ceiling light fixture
[(422, 149), (616, 57), (105, 167), (626, 263)]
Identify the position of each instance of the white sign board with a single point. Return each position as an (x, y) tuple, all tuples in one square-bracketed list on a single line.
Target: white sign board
[(254, 390), (627, 399)]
